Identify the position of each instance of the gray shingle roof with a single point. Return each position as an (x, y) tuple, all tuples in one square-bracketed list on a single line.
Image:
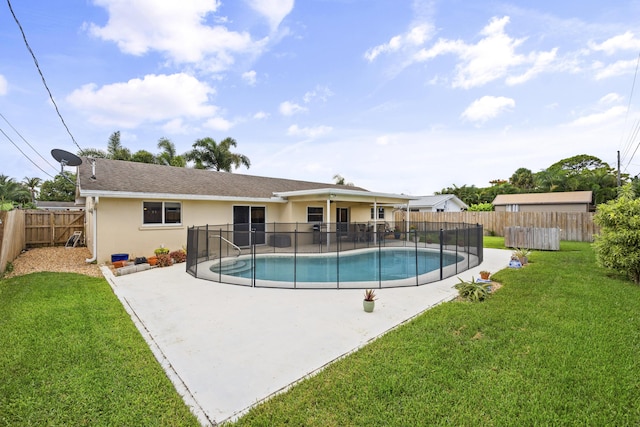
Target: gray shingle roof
[(132, 177)]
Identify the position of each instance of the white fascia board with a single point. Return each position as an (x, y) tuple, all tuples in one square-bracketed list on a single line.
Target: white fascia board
[(342, 192), (170, 196)]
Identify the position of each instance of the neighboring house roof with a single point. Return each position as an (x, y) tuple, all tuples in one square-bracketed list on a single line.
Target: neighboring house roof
[(49, 205), (431, 201), (557, 198), (119, 178)]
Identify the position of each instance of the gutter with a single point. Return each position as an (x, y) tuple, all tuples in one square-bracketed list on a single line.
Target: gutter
[(94, 208)]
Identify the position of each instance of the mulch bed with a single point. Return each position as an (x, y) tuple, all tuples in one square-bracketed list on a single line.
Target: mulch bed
[(54, 259)]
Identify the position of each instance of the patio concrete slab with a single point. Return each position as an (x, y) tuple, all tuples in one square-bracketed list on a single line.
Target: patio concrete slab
[(228, 347)]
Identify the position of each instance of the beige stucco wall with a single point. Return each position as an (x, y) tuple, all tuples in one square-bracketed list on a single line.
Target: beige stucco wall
[(120, 228)]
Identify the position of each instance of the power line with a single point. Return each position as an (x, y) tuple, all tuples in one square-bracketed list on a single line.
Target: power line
[(35, 60), (23, 153), (26, 142)]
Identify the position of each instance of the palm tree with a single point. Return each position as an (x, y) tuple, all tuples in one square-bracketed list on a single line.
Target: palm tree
[(339, 180), (12, 191), (32, 184), (168, 155), (208, 154)]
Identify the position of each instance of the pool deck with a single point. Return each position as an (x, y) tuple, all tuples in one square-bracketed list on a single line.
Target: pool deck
[(228, 347)]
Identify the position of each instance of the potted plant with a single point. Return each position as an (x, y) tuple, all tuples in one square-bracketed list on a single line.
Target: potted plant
[(522, 255), (396, 232), (161, 251), (369, 300), (484, 275)]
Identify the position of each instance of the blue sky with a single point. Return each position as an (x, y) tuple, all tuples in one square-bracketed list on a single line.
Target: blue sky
[(395, 96)]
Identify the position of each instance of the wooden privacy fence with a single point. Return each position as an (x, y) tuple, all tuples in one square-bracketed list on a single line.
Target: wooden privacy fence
[(51, 228), (546, 239), (11, 236), (576, 226)]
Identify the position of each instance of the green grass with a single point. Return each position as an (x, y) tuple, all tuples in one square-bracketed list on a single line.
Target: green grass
[(558, 344), (70, 355), (494, 242)]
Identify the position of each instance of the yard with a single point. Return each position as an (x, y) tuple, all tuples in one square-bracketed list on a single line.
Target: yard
[(557, 344)]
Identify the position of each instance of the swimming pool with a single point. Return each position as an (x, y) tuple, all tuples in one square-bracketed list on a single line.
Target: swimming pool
[(371, 265)]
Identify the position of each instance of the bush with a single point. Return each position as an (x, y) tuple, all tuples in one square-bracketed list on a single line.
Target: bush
[(473, 291), (164, 260), (617, 247), (178, 256)]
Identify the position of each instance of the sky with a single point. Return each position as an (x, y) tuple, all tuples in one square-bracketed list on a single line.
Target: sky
[(395, 96)]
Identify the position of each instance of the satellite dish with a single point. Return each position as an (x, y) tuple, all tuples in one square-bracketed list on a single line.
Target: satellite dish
[(66, 158)]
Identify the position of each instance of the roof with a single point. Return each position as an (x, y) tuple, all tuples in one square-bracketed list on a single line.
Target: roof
[(430, 201), (118, 178), (567, 197)]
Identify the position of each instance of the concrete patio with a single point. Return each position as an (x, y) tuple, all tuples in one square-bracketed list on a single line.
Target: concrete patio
[(229, 347)]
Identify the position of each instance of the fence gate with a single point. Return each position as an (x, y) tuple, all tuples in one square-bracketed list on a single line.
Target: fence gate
[(50, 228)]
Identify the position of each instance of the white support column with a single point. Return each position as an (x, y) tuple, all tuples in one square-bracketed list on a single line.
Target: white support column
[(328, 221)]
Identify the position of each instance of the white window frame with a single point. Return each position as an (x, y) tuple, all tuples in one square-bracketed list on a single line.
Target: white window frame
[(163, 208)]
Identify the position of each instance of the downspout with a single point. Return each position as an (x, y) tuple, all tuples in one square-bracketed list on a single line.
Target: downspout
[(95, 232)]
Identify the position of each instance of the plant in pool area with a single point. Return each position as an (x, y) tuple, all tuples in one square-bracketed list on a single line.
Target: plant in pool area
[(484, 274), (178, 256), (369, 295), (522, 255), (473, 291), (164, 260), (161, 251)]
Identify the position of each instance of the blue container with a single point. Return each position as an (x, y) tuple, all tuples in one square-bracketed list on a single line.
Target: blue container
[(119, 257)]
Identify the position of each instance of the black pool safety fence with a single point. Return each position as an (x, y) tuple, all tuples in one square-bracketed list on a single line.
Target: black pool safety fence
[(333, 255)]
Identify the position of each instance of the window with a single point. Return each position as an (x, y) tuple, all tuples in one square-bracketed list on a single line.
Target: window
[(161, 213), (315, 214), (512, 208), (380, 213)]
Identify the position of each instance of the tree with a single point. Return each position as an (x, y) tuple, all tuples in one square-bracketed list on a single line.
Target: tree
[(12, 192), (143, 156), (115, 150), (617, 247), (61, 189), (168, 156), (523, 179), (339, 180), (32, 184), (468, 194), (208, 154)]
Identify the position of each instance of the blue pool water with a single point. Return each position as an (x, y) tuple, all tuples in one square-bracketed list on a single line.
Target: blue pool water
[(388, 264)]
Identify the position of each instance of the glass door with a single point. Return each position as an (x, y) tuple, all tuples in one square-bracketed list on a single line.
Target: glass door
[(246, 218)]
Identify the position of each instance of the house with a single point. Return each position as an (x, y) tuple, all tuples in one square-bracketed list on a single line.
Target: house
[(569, 201), (438, 203), (135, 208)]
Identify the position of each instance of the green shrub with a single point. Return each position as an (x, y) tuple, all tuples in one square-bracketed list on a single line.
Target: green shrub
[(473, 291), (617, 247)]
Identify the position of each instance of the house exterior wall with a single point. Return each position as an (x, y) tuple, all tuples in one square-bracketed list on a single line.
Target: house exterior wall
[(573, 207), (120, 227)]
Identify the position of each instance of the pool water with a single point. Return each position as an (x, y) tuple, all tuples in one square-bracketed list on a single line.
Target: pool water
[(366, 266)]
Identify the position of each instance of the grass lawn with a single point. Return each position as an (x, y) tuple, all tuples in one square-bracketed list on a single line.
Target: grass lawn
[(558, 344), (70, 355)]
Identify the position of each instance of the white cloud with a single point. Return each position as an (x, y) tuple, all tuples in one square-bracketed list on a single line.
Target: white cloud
[(308, 132), (493, 57), (626, 41), (618, 68), (274, 10), (600, 118), (321, 93), (218, 123), (249, 77), (487, 108), (611, 98), (155, 98), (288, 108), (178, 30), (4, 86), (416, 36), (260, 115)]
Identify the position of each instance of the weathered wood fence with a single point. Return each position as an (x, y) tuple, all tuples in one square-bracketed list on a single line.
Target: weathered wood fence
[(546, 239), (51, 228), (576, 226), (11, 236)]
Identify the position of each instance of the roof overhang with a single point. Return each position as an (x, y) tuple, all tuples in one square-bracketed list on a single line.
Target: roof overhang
[(171, 196), (344, 195)]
